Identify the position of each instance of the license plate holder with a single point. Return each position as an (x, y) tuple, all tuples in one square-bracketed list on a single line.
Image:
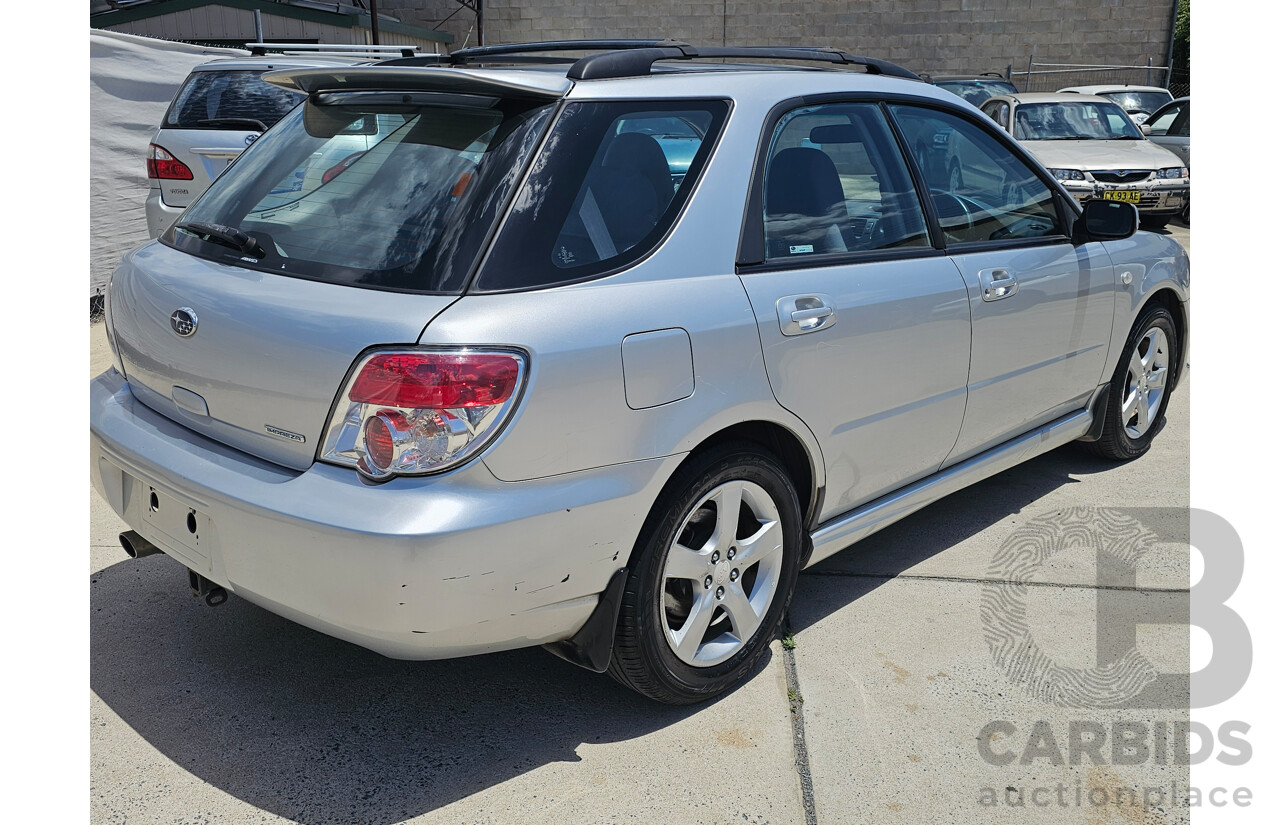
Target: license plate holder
[(176, 525)]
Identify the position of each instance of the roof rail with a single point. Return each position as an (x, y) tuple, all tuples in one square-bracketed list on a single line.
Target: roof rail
[(633, 58), (332, 50), (640, 60)]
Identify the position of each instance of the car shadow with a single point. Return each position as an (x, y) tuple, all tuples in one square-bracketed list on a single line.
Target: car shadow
[(877, 559), (323, 732)]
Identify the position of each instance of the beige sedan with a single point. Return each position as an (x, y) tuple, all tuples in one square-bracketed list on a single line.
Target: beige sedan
[(1094, 149)]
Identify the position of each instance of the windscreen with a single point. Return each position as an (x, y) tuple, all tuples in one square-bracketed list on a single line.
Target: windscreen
[(1139, 101), (1085, 120), (976, 91), (387, 190), (228, 100)]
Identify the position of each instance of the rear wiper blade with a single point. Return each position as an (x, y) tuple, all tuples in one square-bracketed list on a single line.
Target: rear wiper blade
[(234, 121), (225, 235)]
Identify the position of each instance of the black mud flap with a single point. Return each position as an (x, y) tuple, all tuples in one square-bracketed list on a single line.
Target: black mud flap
[(592, 645)]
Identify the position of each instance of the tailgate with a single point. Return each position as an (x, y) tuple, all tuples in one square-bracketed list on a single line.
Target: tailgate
[(268, 353)]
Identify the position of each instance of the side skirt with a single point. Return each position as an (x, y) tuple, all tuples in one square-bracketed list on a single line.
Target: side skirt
[(836, 535)]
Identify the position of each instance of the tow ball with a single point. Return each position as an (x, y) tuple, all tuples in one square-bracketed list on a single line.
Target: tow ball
[(212, 593)]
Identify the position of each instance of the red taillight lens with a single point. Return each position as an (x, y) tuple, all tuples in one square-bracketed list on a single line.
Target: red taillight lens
[(422, 411), (437, 380), (162, 165)]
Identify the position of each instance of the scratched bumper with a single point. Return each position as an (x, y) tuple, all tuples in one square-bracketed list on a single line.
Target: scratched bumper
[(417, 568)]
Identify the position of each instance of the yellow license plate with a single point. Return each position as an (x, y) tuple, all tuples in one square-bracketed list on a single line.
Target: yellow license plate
[(1126, 195)]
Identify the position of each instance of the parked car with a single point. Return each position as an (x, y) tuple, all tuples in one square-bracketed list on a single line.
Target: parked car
[(974, 88), (1095, 151), (513, 378), (1170, 127), (1138, 101), (222, 107)]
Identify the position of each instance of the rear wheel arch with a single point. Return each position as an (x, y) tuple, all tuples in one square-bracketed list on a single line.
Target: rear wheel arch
[(784, 445)]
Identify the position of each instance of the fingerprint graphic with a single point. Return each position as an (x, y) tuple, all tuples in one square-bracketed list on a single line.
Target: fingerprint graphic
[(1003, 610)]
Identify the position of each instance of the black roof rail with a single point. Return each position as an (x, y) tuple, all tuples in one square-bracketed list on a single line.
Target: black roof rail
[(635, 58), (639, 61), (260, 49), (539, 52)]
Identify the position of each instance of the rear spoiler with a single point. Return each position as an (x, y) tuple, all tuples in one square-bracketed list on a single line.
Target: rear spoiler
[(419, 78)]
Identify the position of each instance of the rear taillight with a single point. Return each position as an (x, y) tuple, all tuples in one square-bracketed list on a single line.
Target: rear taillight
[(162, 165), (414, 412)]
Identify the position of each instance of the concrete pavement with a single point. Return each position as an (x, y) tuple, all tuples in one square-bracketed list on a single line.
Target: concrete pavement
[(893, 706)]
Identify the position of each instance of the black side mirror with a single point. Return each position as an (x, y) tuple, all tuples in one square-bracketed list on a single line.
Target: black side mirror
[(1105, 221)]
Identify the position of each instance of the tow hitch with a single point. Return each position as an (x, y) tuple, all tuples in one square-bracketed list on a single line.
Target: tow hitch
[(212, 592)]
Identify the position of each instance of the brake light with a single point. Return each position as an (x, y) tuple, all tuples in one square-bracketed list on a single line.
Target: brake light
[(414, 412), (162, 165)]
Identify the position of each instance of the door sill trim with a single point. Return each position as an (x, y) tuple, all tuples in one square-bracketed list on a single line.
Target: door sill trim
[(839, 533)]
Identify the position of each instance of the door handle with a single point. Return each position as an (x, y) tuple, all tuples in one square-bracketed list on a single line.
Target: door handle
[(798, 314), (997, 283)]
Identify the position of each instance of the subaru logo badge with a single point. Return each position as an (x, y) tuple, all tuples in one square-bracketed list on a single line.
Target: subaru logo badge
[(249, 139), (184, 322)]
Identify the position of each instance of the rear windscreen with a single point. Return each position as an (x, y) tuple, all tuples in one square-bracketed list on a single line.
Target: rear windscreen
[(386, 190), (228, 100)]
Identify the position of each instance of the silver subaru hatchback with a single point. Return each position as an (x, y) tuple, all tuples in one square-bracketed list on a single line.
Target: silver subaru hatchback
[(599, 354)]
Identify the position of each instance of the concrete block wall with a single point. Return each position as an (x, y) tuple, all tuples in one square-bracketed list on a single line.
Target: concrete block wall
[(938, 36)]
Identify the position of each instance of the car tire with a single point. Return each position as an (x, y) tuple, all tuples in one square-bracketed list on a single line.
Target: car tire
[(729, 584), (1155, 222), (1147, 366), (955, 177)]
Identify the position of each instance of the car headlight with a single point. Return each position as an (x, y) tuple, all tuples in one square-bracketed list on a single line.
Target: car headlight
[(1173, 172), (1067, 174)]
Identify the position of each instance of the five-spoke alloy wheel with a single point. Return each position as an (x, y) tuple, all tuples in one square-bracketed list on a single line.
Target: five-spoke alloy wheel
[(1139, 391)]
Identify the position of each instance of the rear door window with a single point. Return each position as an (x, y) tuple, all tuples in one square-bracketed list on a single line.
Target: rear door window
[(608, 186), (228, 100)]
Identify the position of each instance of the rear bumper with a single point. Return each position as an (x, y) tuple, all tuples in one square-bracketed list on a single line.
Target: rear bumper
[(421, 568), (159, 215)]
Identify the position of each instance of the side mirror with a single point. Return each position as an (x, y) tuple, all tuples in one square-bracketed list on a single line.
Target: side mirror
[(1105, 221), (1146, 128)]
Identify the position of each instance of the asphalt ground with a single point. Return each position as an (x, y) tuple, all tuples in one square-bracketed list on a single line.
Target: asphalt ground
[(900, 695)]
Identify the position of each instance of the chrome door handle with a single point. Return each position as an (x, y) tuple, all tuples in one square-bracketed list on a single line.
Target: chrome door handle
[(997, 283), (801, 315), (798, 314)]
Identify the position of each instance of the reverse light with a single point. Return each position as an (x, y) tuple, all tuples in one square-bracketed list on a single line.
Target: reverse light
[(161, 164), (414, 412), (1067, 174)]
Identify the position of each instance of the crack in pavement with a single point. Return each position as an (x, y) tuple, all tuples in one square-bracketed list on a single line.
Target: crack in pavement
[(797, 728)]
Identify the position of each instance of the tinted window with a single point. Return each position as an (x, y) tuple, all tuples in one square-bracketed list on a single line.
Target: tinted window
[(988, 193), (976, 91), (215, 100), (836, 182), (406, 207), (608, 185), (1139, 101)]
